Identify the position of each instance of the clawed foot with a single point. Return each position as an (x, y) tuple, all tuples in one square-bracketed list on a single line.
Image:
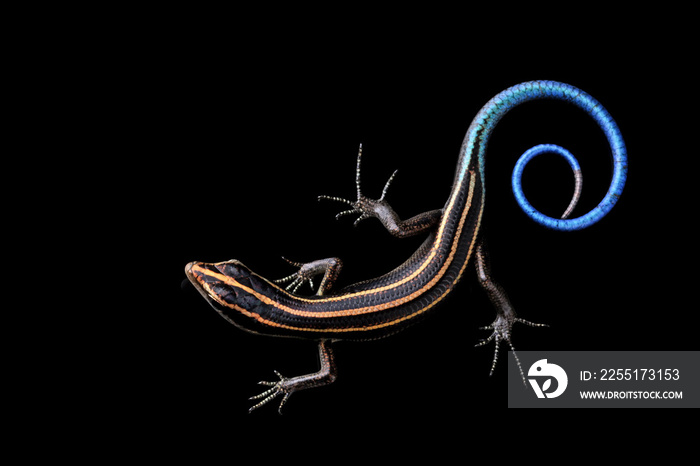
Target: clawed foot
[(363, 206), (328, 268), (305, 274), (502, 329), (285, 387), (282, 387)]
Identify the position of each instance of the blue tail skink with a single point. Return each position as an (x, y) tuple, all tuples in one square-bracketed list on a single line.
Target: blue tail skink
[(384, 305)]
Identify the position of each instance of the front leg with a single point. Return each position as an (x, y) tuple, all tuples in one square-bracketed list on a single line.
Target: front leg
[(285, 387), (329, 268), (381, 209)]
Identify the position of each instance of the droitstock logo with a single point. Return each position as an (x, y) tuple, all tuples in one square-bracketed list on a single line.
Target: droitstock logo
[(543, 371)]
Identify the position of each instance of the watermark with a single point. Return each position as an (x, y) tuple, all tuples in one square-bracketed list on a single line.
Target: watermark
[(542, 369), (605, 379)]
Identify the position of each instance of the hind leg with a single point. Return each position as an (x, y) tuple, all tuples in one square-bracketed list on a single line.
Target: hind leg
[(505, 314)]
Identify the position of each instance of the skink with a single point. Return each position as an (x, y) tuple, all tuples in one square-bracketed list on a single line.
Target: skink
[(384, 305)]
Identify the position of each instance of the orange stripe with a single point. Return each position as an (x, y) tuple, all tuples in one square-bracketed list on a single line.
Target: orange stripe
[(353, 312), (364, 310), (349, 329), (270, 323)]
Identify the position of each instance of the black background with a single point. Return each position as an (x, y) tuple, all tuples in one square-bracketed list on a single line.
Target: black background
[(227, 153)]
